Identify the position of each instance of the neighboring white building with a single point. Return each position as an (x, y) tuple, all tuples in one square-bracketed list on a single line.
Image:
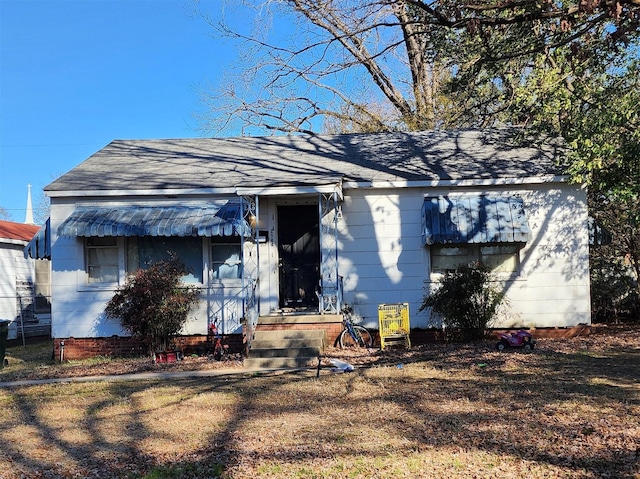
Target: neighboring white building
[(24, 282), (311, 223)]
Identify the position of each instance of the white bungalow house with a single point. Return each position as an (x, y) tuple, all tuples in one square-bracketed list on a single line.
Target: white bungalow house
[(291, 225)]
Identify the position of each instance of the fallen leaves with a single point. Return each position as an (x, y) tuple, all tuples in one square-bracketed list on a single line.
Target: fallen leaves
[(570, 409)]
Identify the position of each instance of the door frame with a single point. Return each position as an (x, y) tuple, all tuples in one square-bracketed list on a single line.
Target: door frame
[(307, 280)]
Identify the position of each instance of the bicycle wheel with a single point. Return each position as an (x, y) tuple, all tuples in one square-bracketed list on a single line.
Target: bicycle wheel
[(365, 339)]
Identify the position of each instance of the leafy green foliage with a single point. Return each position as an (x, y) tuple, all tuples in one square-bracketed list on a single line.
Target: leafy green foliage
[(614, 290), (593, 101), (467, 301), (153, 304)]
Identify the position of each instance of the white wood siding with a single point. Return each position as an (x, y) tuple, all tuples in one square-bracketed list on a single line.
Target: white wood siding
[(14, 270), (382, 259), (381, 256)]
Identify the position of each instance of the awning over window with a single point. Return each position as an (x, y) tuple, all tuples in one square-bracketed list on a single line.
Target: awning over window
[(183, 220), (477, 219), (40, 245)]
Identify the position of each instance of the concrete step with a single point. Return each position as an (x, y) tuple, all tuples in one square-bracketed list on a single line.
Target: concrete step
[(300, 319), (280, 362), (282, 343), (290, 334), (286, 348), (302, 352)]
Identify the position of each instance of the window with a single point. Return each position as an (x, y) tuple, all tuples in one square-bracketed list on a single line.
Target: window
[(225, 259), (102, 260), (447, 258), (500, 258), (42, 286), (145, 250)]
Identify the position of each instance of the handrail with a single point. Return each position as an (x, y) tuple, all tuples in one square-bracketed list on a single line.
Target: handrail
[(251, 310)]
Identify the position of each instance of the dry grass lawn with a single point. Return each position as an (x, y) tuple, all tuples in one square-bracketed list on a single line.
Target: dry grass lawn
[(571, 409)]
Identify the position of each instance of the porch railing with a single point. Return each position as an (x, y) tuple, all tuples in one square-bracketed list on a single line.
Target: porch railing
[(250, 310), (331, 302)]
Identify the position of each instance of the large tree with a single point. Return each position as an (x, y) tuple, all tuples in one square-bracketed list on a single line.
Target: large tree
[(308, 65), (563, 67), (401, 64)]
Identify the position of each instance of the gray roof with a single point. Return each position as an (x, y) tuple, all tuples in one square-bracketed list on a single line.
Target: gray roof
[(310, 160)]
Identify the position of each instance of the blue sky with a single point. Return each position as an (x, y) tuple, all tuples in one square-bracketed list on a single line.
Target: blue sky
[(77, 74)]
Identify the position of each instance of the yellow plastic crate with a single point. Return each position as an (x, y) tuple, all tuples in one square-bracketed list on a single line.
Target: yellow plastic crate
[(393, 322)]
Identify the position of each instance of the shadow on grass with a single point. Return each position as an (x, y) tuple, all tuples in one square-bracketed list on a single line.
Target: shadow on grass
[(570, 412)]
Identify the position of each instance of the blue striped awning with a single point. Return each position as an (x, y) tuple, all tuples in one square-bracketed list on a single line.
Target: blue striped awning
[(40, 245), (132, 220), (474, 219)]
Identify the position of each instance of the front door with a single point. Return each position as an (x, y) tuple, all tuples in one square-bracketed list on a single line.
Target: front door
[(299, 254)]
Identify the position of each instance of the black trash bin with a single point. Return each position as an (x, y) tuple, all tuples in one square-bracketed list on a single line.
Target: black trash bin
[(4, 332)]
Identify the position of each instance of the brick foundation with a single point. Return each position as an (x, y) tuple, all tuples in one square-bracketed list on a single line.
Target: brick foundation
[(124, 346)]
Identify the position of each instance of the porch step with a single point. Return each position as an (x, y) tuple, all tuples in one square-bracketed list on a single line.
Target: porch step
[(280, 363), (303, 352), (289, 338), (285, 319), (317, 344), (285, 348)]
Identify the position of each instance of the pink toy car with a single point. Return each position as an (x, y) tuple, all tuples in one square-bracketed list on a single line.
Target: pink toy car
[(521, 339)]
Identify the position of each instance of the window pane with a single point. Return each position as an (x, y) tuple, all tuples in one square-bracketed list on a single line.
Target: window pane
[(500, 259), (448, 258), (42, 286), (226, 271), (225, 253), (133, 258), (498, 249), (103, 274), (450, 250), (225, 261), (102, 259), (145, 251), (99, 256)]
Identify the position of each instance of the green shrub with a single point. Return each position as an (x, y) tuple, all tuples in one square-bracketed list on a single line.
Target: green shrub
[(467, 302), (153, 304)]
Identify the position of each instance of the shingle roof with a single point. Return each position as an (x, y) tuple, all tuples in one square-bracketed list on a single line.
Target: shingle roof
[(309, 160)]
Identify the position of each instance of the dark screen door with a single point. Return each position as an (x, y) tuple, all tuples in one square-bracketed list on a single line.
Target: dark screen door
[(299, 253)]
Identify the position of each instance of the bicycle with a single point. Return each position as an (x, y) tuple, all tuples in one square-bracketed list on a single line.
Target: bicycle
[(353, 335)]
